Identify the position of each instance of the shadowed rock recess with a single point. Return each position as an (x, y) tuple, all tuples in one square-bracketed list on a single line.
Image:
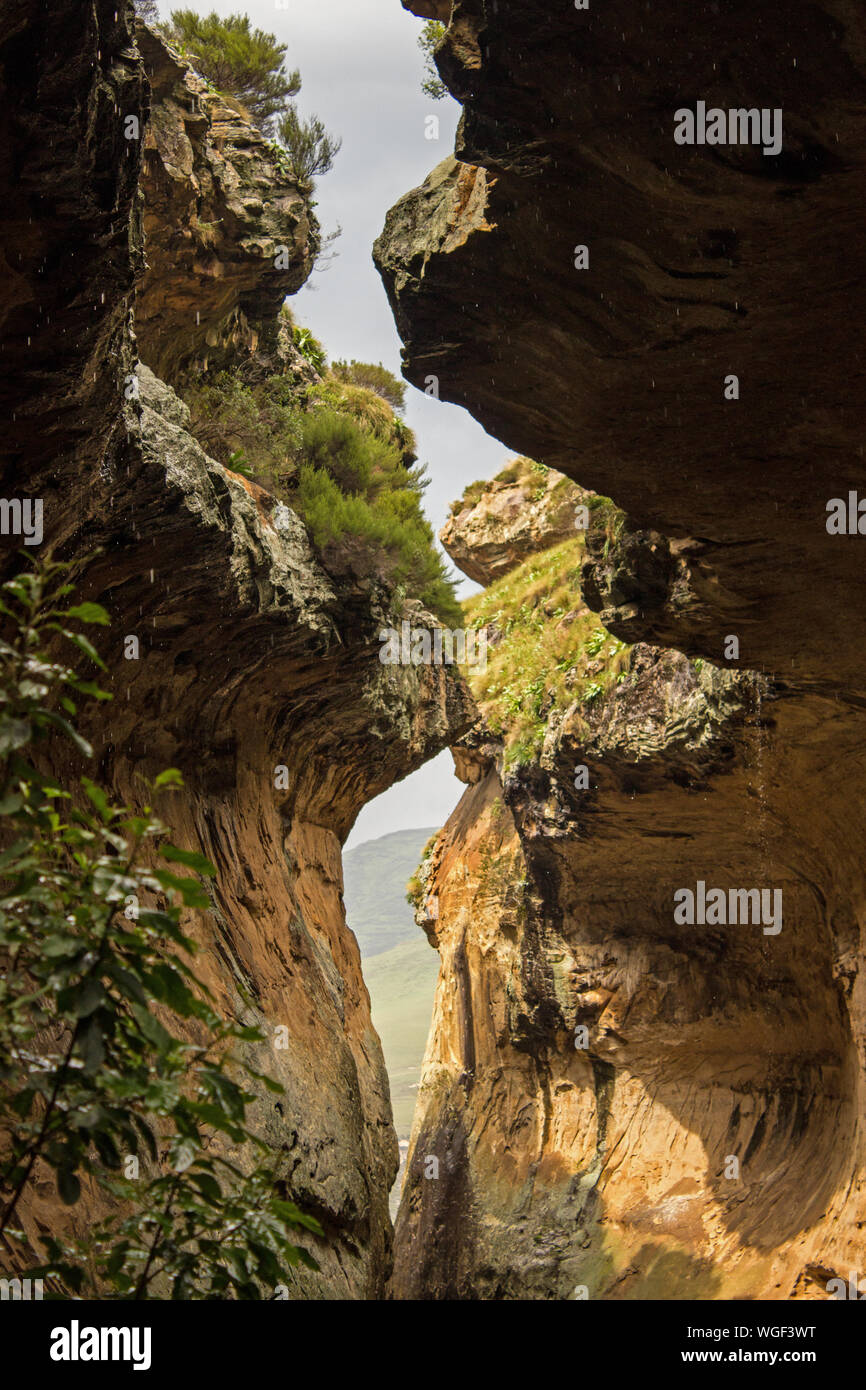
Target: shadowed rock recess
[(704, 1136), (250, 656)]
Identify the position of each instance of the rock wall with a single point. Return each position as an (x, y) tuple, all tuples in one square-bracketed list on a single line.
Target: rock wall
[(228, 234), (495, 526), (704, 1137), (250, 657), (603, 1159), (703, 261)]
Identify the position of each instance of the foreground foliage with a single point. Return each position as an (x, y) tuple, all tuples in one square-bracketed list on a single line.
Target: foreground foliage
[(117, 1073)]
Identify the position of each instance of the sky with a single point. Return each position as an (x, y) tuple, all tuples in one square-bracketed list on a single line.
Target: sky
[(362, 70)]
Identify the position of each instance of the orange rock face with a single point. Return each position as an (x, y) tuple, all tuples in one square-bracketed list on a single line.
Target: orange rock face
[(621, 1104), (523, 510), (250, 659)]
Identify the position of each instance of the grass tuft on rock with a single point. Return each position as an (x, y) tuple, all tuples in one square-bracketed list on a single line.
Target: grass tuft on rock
[(338, 454), (546, 650)]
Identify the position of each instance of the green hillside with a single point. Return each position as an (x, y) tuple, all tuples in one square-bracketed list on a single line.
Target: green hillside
[(400, 967), (402, 982), (375, 875)]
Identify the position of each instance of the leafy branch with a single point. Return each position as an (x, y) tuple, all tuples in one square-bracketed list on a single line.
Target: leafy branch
[(116, 1070)]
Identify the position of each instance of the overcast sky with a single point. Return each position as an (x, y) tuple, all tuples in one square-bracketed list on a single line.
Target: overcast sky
[(362, 70)]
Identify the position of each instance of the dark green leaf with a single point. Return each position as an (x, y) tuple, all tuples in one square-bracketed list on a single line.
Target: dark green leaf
[(292, 1214), (170, 988), (88, 613), (80, 743), (128, 985), (98, 797), (107, 1149), (85, 997), (190, 859), (153, 1029), (92, 1046), (171, 777), (189, 888), (68, 1186)]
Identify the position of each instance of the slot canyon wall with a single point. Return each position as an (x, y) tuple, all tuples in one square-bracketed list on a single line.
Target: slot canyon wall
[(159, 245), (600, 1163)]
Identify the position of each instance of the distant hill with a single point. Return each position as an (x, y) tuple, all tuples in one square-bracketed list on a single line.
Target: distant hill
[(375, 875), (400, 967), (402, 983)]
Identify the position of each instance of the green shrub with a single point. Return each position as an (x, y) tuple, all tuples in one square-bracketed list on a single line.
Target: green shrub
[(262, 424), (374, 377), (364, 406), (110, 1047), (343, 460), (310, 150), (386, 535), (310, 348), (352, 456), (416, 886), (247, 63)]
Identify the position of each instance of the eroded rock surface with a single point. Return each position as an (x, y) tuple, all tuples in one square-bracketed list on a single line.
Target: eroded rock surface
[(703, 261), (708, 1140), (250, 657), (228, 233), (525, 508), (617, 1102)]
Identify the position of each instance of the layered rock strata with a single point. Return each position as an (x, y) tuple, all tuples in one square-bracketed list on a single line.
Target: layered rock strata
[(228, 234), (620, 1104), (708, 1139), (703, 261), (249, 657)]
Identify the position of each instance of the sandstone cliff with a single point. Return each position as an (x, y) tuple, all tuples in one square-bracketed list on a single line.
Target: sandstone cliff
[(703, 261), (251, 657), (494, 526), (704, 1138), (227, 233)]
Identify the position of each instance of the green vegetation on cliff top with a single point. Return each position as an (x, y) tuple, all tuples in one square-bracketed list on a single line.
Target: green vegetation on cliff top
[(336, 452), (546, 650), (250, 65), (235, 58)]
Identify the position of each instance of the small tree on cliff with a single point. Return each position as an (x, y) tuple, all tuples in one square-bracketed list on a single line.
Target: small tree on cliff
[(431, 35), (311, 150), (375, 377), (118, 1076), (247, 63)]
